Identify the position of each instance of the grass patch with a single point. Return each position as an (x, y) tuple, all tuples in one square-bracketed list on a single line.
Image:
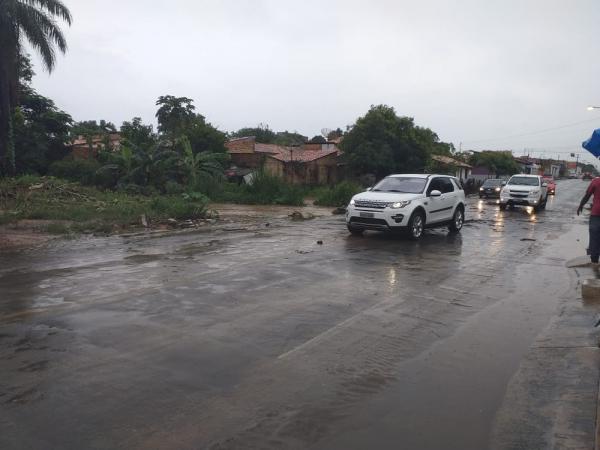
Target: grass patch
[(338, 195), (49, 198), (58, 228), (265, 190)]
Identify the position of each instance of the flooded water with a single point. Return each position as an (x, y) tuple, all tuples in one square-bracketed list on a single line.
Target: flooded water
[(248, 335)]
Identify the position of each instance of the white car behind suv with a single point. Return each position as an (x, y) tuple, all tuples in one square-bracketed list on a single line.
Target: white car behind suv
[(408, 203), (526, 190)]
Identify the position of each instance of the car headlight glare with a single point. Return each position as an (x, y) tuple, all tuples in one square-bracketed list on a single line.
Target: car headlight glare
[(401, 204), (481, 189), (497, 189)]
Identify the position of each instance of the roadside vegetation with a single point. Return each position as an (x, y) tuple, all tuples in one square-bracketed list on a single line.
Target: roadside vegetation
[(338, 195), (72, 207)]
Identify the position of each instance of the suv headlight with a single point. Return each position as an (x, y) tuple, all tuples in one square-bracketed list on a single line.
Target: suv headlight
[(352, 202), (536, 192), (401, 204), (481, 189), (497, 189)]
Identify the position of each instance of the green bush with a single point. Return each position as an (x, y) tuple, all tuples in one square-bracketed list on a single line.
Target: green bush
[(27, 180), (107, 176), (338, 195), (86, 208), (81, 170), (211, 186), (186, 206), (269, 189), (265, 189), (172, 187), (131, 188)]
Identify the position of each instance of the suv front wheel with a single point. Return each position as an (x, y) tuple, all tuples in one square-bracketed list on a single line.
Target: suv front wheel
[(416, 225), (541, 204), (457, 220)]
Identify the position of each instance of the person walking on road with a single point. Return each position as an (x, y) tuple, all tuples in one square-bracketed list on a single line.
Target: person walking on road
[(593, 189)]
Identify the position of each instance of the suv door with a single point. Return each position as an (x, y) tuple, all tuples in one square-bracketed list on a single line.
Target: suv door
[(449, 194), (440, 208)]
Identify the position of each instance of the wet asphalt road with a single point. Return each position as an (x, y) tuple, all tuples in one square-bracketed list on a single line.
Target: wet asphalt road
[(250, 336)]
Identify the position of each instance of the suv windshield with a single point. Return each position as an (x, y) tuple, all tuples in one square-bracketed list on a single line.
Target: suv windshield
[(524, 181), (408, 185), (492, 183)]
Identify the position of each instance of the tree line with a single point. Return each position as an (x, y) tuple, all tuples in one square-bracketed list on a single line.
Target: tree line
[(185, 147)]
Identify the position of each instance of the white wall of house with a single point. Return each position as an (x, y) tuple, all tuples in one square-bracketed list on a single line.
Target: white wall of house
[(462, 173)]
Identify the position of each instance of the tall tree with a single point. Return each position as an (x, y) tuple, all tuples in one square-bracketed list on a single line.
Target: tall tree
[(176, 119), (40, 132), (34, 20), (174, 114), (381, 142), (498, 162), (135, 133)]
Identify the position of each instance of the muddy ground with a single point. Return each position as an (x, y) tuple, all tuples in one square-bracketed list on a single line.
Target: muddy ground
[(249, 334)]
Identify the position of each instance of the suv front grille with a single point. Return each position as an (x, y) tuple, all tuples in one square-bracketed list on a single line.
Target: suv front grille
[(370, 223), (519, 194), (373, 204)]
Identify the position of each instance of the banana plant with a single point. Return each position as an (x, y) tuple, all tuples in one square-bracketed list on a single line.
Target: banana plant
[(200, 164)]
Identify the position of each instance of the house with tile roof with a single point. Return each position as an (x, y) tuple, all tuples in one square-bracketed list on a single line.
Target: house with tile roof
[(304, 164), (451, 166), (84, 147)]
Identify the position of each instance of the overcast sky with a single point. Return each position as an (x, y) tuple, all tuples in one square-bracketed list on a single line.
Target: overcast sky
[(476, 72)]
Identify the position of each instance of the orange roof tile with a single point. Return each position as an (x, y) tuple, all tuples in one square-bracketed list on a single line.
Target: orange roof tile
[(293, 154)]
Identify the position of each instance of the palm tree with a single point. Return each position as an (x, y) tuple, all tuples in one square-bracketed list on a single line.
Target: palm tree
[(34, 20)]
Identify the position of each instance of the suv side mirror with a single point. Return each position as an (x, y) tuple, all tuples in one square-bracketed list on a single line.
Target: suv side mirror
[(544, 184), (369, 188), (435, 193), (504, 183)]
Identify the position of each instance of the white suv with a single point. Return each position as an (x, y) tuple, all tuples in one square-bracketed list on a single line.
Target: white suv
[(408, 203), (527, 190)]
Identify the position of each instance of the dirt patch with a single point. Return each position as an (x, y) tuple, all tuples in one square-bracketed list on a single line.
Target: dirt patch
[(29, 233), (233, 211), (16, 237)]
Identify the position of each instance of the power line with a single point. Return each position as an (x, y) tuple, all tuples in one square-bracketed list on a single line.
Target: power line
[(530, 133)]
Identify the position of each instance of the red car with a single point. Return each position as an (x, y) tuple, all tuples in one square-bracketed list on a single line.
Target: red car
[(551, 185)]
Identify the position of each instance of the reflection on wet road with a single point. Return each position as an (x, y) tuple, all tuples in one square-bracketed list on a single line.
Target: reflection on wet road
[(258, 337)]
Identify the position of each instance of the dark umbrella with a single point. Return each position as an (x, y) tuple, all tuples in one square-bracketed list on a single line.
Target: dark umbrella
[(592, 145)]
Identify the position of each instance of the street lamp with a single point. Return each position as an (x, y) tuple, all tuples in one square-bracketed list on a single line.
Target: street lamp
[(591, 108)]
